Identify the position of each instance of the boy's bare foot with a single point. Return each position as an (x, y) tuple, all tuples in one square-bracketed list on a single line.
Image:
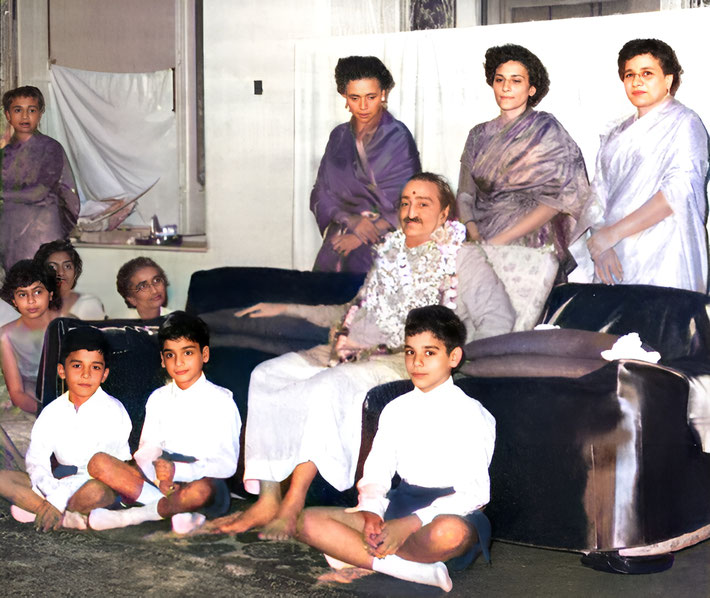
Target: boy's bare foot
[(258, 515), (283, 525)]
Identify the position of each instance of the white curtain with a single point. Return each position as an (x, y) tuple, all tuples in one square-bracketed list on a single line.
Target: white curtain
[(119, 131), (441, 92)]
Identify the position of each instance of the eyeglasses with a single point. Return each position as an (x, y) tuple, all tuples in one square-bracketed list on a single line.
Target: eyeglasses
[(146, 285)]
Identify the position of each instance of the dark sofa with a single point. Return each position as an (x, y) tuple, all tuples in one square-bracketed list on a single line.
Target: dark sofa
[(607, 460)]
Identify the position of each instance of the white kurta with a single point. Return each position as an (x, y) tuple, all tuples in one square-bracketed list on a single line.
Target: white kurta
[(300, 411), (665, 150), (73, 435), (200, 422), (434, 439)]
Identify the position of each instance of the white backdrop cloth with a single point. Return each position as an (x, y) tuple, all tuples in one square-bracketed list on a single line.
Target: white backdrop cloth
[(441, 93), (119, 132)]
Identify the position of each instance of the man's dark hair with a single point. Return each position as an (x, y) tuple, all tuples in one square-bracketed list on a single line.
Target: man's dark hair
[(27, 91), (354, 68), (26, 272), (84, 337), (537, 73), (47, 249), (660, 50), (441, 321), (447, 199), (180, 324)]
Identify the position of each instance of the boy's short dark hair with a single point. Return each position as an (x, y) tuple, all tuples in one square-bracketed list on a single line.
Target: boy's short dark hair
[(180, 324), (26, 272), (441, 321), (26, 91), (87, 338)]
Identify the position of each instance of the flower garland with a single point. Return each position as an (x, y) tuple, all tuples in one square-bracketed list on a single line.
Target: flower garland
[(405, 278)]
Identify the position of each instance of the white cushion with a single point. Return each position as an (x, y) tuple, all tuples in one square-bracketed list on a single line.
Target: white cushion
[(528, 275)]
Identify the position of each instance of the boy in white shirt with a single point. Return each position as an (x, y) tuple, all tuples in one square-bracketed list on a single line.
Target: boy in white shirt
[(189, 443), (73, 427), (440, 441)]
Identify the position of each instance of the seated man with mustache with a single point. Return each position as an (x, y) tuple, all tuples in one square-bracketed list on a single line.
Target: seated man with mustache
[(305, 408)]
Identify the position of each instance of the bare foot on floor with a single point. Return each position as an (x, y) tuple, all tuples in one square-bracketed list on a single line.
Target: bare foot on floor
[(283, 526), (221, 525), (258, 515)]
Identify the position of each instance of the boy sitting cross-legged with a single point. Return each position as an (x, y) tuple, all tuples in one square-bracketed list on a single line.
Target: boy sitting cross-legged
[(189, 443), (73, 427), (440, 441)]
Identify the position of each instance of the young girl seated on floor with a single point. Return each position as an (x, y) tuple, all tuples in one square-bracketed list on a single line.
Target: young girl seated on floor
[(61, 256), (30, 288), (440, 441)]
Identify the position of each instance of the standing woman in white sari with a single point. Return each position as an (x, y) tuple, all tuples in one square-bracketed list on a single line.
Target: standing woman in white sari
[(646, 214)]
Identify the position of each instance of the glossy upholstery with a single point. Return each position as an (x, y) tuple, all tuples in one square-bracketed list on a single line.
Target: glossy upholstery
[(606, 460)]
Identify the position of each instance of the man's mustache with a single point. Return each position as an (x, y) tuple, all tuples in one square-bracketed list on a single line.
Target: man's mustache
[(416, 220)]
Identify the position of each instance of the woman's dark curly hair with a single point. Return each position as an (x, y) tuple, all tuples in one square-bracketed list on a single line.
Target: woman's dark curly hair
[(25, 273), (661, 51), (126, 272), (28, 91), (47, 249), (537, 73), (354, 68)]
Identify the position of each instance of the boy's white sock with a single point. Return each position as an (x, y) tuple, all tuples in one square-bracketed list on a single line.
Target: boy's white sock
[(431, 574), (74, 520), (184, 523), (21, 515), (100, 519), (149, 494)]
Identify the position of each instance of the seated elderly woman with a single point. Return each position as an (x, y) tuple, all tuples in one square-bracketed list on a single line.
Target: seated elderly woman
[(366, 163), (305, 408), (645, 219), (522, 179), (143, 285), (61, 256)]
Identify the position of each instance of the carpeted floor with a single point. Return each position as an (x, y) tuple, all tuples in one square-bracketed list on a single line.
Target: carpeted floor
[(149, 560)]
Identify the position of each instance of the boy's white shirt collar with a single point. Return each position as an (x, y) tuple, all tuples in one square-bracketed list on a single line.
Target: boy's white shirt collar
[(99, 391), (201, 380), (445, 384)]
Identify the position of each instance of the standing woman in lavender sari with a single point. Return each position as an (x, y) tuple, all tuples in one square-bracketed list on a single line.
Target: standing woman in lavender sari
[(522, 179), (366, 163), (38, 191), (645, 220)]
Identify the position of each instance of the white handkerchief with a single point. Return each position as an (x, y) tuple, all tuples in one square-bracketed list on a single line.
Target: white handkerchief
[(629, 347)]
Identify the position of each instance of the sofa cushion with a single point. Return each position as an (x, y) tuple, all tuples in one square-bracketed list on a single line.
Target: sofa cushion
[(673, 321), (528, 275), (233, 287), (276, 335)]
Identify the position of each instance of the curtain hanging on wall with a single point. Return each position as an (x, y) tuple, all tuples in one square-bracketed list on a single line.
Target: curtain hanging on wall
[(119, 132)]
